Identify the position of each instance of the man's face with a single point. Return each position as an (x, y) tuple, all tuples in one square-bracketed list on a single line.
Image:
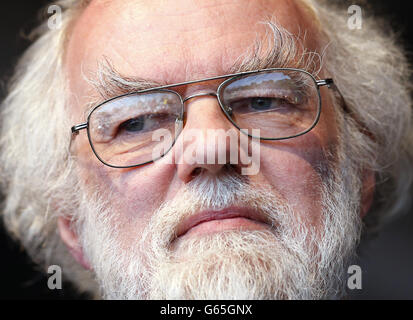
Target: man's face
[(150, 210)]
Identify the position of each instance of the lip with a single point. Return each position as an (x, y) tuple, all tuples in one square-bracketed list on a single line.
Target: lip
[(209, 221)]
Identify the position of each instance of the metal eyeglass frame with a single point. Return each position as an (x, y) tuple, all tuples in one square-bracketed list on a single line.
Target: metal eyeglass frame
[(318, 83)]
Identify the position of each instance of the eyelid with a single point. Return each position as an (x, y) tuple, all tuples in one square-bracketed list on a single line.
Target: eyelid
[(113, 127), (264, 93)]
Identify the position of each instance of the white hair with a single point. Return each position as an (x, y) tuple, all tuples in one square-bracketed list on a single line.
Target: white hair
[(373, 74), (292, 260), (37, 172)]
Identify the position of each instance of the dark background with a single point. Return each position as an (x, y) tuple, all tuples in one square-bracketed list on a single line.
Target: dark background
[(386, 260)]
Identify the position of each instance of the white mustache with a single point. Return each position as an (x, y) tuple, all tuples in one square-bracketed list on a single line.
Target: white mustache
[(298, 263), (215, 193)]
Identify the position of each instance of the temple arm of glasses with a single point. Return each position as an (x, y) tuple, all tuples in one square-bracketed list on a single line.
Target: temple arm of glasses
[(331, 85), (326, 82), (76, 129)]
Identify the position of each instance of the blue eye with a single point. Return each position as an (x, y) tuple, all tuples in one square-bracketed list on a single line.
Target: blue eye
[(261, 103), (133, 125)]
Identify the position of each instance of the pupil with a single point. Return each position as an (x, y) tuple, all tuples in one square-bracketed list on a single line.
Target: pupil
[(134, 125), (261, 103)]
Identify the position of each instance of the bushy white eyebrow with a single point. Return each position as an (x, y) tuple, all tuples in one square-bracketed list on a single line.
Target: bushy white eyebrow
[(279, 49)]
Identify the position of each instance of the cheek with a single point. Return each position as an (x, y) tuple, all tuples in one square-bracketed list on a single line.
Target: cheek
[(294, 171), (134, 193)]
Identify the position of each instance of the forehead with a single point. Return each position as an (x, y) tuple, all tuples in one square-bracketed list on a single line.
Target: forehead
[(172, 41), (190, 35)]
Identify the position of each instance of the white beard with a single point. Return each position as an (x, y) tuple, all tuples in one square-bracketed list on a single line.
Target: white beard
[(292, 260)]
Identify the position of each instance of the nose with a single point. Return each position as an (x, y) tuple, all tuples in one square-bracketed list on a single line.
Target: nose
[(208, 141), (201, 94)]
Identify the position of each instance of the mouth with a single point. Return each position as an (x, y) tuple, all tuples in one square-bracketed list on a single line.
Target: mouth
[(213, 221)]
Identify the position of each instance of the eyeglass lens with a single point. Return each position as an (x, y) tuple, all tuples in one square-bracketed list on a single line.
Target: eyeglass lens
[(124, 131)]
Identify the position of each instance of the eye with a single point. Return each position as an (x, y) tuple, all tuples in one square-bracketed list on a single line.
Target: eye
[(133, 125), (261, 103)]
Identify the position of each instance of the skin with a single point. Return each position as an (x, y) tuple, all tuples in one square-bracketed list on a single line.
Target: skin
[(182, 40)]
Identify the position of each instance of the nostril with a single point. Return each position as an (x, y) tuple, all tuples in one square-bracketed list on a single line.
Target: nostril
[(197, 171), (233, 168)]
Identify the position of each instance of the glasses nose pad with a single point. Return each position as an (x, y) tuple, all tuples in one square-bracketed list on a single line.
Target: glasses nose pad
[(179, 124), (228, 110)]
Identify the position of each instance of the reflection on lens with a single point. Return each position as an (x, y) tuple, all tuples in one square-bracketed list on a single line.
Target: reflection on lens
[(121, 130), (130, 130), (279, 103)]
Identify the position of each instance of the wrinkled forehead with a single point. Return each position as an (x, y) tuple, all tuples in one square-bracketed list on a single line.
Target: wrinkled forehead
[(174, 41)]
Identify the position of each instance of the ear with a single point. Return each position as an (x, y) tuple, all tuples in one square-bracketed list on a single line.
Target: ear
[(71, 240), (367, 192)]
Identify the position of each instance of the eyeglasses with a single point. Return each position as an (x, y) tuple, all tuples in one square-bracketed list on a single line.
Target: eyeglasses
[(282, 103)]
